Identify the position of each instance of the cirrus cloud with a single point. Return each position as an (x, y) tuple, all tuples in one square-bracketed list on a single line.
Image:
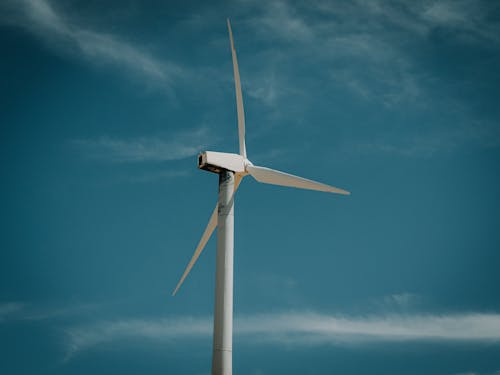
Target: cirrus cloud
[(297, 328)]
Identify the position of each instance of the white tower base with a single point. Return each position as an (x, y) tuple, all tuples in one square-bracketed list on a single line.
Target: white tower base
[(222, 355)]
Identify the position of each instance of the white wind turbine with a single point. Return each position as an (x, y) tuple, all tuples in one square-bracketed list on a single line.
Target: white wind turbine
[(231, 168)]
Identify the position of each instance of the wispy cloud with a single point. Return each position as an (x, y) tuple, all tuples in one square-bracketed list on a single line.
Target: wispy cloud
[(431, 142), (58, 30), (156, 176), (399, 302), (345, 37), (418, 146), (469, 19), (298, 329), (459, 17), (84, 337), (141, 149), (265, 90), (371, 37), (319, 328), (19, 311), (279, 18), (9, 309)]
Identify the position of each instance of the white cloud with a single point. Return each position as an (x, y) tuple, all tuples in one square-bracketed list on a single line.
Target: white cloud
[(81, 338), (319, 328), (299, 329), (140, 149), (44, 20)]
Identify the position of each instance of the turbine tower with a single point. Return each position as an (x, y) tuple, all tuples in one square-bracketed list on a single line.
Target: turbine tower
[(231, 169)]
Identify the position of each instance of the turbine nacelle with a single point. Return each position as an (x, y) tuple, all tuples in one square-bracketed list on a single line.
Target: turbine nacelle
[(215, 162)]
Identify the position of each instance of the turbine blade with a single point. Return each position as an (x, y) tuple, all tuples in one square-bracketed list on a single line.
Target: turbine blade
[(271, 176), (239, 96), (212, 223)]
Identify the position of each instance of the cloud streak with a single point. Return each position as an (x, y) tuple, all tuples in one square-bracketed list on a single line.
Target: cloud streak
[(374, 37), (44, 20), (479, 134), (143, 149), (298, 329), (9, 309), (19, 311)]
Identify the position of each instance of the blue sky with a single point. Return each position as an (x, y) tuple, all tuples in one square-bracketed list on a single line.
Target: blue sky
[(104, 108)]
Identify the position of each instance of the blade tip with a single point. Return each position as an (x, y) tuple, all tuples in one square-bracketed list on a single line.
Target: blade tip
[(176, 289), (340, 191), (336, 190)]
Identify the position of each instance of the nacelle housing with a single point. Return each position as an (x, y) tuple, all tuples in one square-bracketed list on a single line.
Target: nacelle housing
[(217, 161)]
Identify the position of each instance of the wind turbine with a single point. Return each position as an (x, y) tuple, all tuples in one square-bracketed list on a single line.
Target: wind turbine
[(231, 169)]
